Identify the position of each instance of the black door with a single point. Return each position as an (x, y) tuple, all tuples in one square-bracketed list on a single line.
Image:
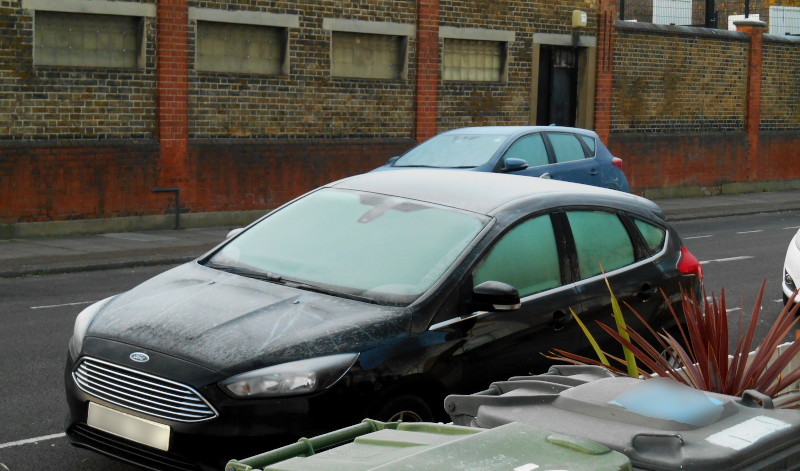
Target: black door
[(558, 86)]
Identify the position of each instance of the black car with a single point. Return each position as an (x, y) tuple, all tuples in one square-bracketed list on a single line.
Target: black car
[(374, 296)]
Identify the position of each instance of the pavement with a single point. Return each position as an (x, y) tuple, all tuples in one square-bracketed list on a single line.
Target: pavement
[(41, 256)]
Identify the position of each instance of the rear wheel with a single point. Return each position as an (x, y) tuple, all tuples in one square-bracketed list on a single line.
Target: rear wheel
[(406, 408)]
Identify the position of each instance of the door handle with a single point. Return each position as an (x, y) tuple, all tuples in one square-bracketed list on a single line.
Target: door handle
[(646, 292), (593, 172), (561, 319)]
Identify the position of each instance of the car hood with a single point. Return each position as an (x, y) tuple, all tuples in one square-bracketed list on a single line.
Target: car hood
[(233, 324)]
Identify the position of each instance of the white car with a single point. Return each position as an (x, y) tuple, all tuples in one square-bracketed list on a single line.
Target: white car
[(791, 268)]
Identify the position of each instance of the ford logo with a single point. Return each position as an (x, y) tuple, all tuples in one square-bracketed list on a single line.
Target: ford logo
[(139, 357)]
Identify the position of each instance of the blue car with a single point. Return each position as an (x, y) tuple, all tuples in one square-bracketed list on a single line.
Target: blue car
[(560, 153)]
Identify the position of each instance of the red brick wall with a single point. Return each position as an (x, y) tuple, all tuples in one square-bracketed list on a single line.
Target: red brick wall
[(44, 182)]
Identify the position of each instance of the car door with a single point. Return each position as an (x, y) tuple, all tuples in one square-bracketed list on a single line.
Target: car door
[(497, 345), (531, 148), (609, 245), (572, 160)]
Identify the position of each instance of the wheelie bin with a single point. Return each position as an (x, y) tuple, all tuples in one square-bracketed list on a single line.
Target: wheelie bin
[(396, 446), (660, 424)]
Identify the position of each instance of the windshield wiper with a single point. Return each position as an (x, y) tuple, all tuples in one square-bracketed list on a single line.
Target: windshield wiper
[(258, 275), (278, 279), (319, 289)]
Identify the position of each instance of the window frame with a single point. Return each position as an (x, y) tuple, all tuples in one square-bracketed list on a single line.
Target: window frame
[(143, 12), (477, 34), (283, 22), (642, 254), (403, 30)]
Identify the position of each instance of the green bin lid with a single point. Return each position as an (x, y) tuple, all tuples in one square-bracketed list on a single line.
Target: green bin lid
[(427, 446)]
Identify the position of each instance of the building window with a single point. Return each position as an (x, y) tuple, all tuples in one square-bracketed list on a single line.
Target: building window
[(87, 40), (474, 60), (376, 56), (230, 47)]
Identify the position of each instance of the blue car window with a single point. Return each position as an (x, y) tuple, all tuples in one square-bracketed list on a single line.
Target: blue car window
[(566, 147), (530, 148), (589, 141), (653, 235), (601, 240), (526, 258)]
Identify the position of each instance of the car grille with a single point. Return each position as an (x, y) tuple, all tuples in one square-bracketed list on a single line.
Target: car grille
[(141, 392)]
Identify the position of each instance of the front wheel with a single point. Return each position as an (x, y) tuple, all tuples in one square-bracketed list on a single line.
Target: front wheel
[(405, 408)]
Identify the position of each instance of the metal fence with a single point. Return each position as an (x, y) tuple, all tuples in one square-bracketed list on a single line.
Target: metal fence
[(781, 16)]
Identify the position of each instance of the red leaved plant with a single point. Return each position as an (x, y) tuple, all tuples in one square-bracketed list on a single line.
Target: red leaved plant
[(700, 357)]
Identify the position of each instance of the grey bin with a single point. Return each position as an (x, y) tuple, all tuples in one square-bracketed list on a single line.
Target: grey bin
[(658, 423)]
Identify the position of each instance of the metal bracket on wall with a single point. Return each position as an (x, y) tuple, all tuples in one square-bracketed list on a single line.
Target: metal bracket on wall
[(178, 208)]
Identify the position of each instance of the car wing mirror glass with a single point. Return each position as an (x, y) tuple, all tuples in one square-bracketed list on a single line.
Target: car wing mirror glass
[(514, 165), (392, 160), (495, 296), (234, 232)]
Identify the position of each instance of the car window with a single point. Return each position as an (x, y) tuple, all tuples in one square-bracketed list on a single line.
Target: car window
[(601, 240), (453, 151), (566, 147), (526, 258), (531, 149), (654, 236), (589, 141), (381, 247)]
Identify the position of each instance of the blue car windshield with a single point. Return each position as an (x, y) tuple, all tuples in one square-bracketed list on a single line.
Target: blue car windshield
[(453, 151), (378, 248)]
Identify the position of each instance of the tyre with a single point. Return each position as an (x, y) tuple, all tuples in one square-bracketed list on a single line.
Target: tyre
[(405, 408)]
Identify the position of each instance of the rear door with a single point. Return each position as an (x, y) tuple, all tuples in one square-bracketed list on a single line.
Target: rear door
[(612, 244), (573, 161)]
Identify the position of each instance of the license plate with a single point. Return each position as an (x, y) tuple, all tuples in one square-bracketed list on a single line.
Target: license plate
[(127, 426)]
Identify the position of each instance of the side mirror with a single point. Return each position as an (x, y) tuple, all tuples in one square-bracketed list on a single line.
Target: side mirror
[(496, 296), (514, 165), (234, 233), (392, 160)]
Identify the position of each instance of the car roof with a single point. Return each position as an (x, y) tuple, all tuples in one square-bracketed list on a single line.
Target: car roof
[(517, 130), (486, 193)]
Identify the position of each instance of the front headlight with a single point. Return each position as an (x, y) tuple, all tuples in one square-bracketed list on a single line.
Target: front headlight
[(290, 379), (82, 324)]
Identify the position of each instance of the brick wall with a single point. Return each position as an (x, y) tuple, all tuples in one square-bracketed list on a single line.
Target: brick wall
[(78, 180), (780, 98), (308, 103), (483, 103), (666, 81), (45, 103)]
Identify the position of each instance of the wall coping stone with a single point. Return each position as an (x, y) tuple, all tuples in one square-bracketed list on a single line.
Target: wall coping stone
[(98, 7), (680, 30)]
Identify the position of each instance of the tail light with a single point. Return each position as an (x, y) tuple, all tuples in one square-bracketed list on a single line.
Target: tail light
[(617, 162), (689, 265)]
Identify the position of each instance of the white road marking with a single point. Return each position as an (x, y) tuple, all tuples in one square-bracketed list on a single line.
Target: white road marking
[(792, 227), (32, 440), (62, 305), (732, 259), (750, 232), (733, 309), (698, 237)]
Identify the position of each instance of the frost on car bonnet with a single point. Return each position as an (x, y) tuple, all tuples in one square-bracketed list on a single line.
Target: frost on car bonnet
[(663, 398)]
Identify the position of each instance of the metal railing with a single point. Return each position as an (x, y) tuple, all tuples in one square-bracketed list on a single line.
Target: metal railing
[(781, 16)]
